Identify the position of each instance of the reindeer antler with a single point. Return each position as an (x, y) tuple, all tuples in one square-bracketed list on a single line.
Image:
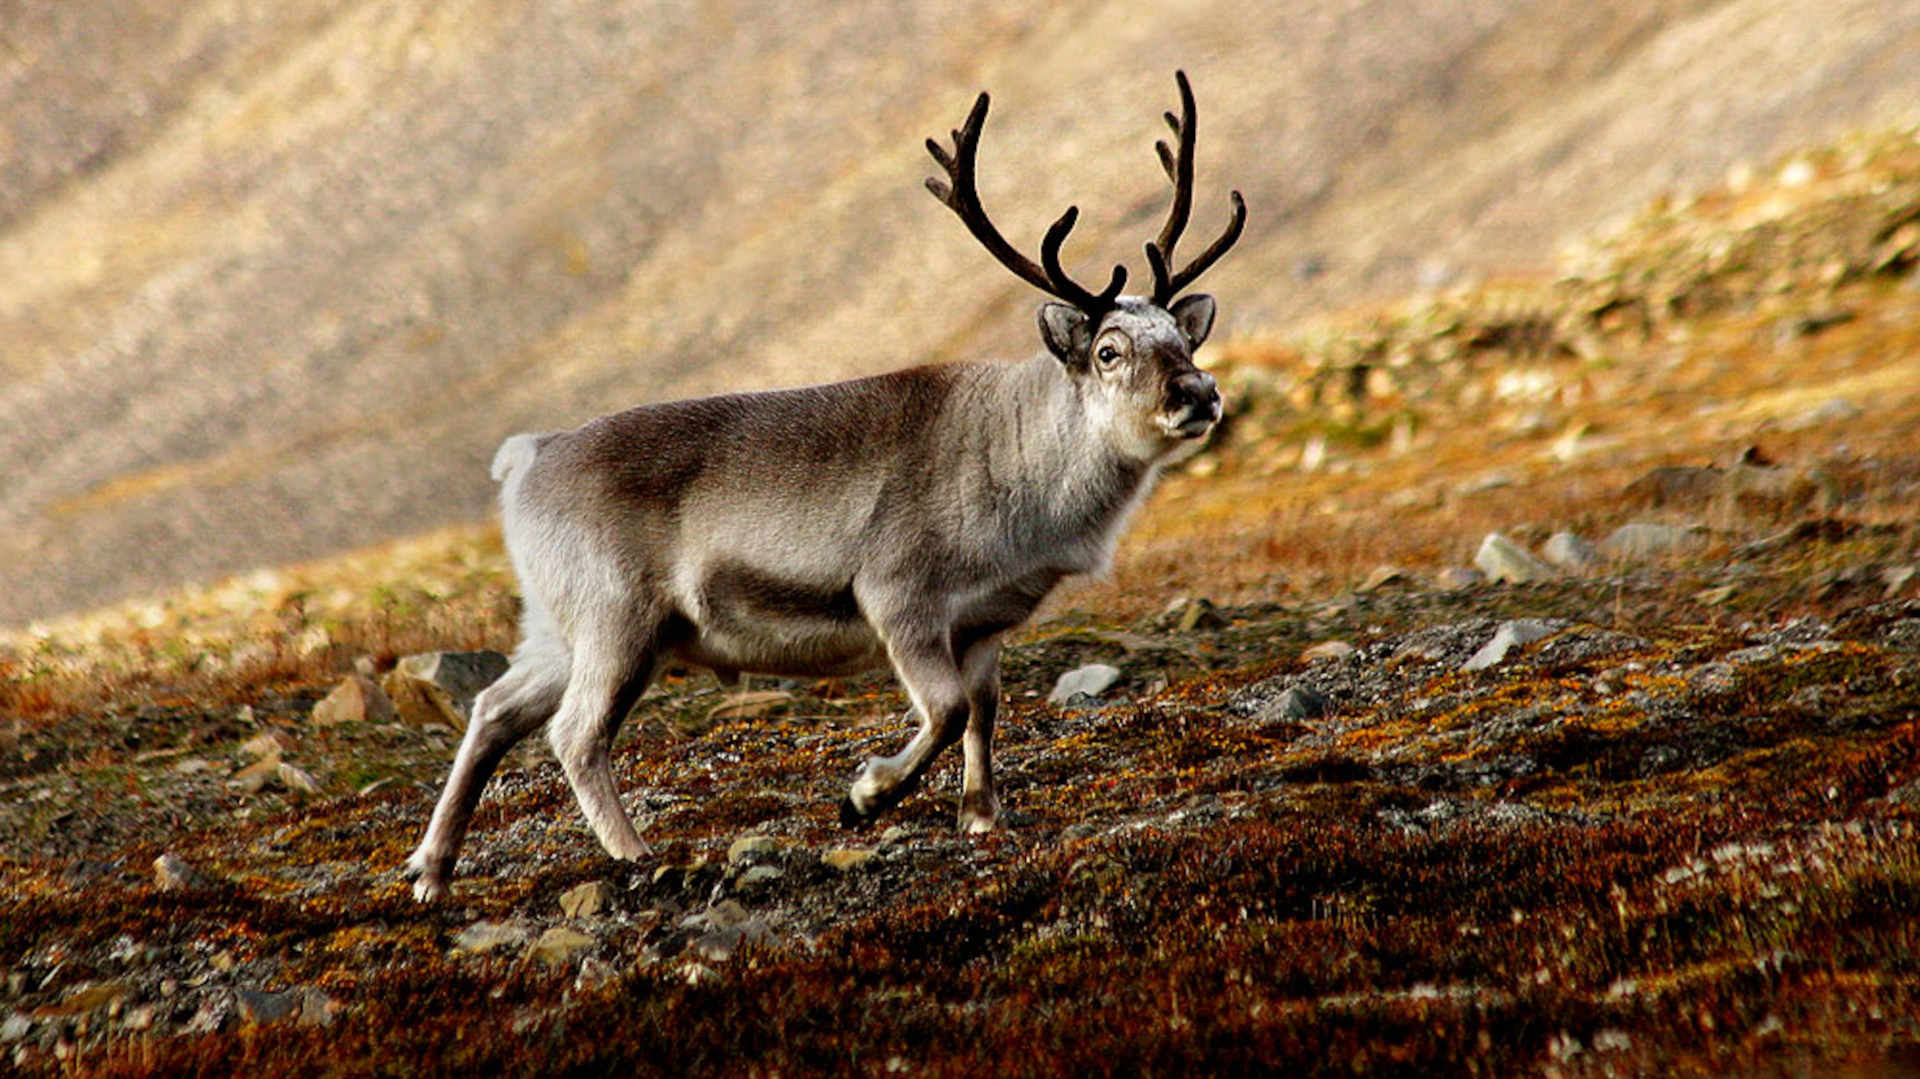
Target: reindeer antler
[(1179, 168), (961, 196)]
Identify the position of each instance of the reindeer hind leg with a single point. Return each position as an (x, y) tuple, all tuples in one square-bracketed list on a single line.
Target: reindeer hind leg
[(504, 713), (610, 670)]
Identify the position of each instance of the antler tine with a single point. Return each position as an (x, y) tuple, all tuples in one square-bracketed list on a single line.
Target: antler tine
[(960, 195), (1179, 167), (1065, 287), (1193, 270)]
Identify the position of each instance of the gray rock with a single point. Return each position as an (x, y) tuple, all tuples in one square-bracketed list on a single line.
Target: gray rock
[(356, 700), (727, 913), (1501, 559), (260, 1009), (1456, 578), (1328, 650), (559, 946), (486, 936), (586, 900), (16, 1026), (761, 874), (317, 1009), (717, 946), (1641, 540), (1382, 576), (846, 858), (1298, 702), (1569, 552), (298, 780), (752, 846), (1090, 680), (439, 687), (171, 873), (1510, 635)]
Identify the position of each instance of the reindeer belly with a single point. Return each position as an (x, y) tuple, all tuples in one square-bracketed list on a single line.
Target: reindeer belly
[(746, 620)]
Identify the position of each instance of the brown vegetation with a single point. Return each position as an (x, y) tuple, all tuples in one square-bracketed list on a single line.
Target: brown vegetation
[(1675, 835)]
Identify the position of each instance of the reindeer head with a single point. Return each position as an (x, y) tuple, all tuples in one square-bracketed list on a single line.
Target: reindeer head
[(1132, 356)]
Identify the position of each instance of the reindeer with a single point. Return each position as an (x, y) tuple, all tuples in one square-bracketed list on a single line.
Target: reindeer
[(908, 519)]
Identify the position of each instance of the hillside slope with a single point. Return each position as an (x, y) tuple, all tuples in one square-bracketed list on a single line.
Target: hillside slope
[(1649, 812), (275, 279)]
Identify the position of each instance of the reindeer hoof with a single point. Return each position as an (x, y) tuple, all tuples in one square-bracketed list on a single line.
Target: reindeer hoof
[(850, 815)]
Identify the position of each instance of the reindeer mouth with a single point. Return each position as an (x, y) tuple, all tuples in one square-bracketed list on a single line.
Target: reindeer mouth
[(1192, 422)]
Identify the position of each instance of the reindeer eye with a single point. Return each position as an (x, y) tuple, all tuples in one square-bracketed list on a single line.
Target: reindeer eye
[(1108, 354)]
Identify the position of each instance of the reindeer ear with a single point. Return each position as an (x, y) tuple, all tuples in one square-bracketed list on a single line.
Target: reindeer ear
[(1194, 315), (1067, 331)]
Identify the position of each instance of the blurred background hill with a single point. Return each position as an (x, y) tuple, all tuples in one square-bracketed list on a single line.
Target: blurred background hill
[(275, 279)]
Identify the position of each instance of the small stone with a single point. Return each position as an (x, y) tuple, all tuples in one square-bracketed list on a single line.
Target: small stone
[(761, 874), (752, 846), (1567, 551), (726, 914), (260, 1009), (484, 936), (1298, 702), (1458, 578), (594, 973), (255, 777), (139, 1017), (439, 687), (1501, 559), (717, 946), (171, 873), (1897, 578), (317, 1009), (1328, 650), (1382, 576), (559, 946), (271, 744), (1640, 540), (897, 833), (355, 700), (846, 858), (15, 1027), (586, 900), (1510, 635), (298, 780), (1090, 680), (1188, 613)]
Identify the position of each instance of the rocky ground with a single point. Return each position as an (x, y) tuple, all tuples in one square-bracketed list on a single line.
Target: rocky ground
[(1624, 844), (1553, 707)]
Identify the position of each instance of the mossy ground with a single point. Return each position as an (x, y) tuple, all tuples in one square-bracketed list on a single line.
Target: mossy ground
[(1676, 836)]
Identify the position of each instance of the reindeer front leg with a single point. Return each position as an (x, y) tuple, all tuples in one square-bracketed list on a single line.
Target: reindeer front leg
[(979, 806), (924, 662)]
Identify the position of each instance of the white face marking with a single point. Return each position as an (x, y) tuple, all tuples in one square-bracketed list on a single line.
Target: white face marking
[(1132, 366)]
